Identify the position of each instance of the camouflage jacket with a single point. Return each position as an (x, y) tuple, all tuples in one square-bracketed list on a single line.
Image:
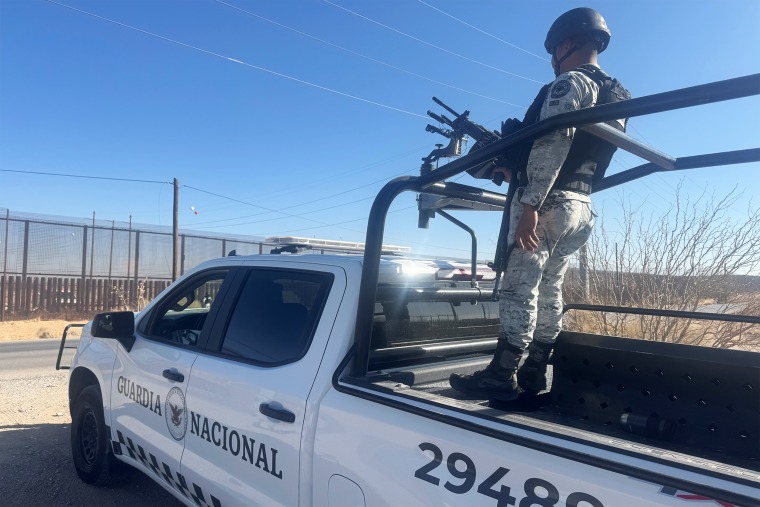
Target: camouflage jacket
[(571, 91)]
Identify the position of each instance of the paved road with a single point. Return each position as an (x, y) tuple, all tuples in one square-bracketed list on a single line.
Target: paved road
[(33, 356)]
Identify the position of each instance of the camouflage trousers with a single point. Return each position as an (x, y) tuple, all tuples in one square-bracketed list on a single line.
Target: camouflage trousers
[(530, 293)]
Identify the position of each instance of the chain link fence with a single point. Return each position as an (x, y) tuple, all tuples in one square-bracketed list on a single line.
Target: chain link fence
[(56, 264)]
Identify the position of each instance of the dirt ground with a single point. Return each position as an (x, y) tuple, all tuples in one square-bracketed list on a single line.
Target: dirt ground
[(35, 425), (37, 328), (35, 454)]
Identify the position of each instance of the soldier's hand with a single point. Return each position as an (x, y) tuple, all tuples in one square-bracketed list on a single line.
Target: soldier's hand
[(525, 234)]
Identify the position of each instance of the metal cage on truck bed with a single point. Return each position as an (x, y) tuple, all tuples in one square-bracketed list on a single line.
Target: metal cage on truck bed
[(670, 404), (433, 182)]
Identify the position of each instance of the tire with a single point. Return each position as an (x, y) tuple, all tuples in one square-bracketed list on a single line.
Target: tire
[(90, 442)]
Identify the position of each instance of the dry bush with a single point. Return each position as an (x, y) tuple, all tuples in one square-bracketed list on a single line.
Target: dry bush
[(124, 302), (44, 332), (691, 254)]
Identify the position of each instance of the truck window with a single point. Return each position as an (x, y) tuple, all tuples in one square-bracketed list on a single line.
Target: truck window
[(416, 322), (275, 316), (182, 314)]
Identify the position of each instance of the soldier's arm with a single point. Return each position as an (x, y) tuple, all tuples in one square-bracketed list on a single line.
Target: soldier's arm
[(568, 93)]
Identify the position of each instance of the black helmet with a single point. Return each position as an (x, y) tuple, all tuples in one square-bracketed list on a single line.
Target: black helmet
[(580, 21)]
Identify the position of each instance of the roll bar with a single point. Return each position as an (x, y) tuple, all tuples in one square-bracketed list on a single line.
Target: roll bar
[(431, 182)]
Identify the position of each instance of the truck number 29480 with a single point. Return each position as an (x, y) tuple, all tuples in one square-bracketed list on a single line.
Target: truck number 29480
[(538, 492)]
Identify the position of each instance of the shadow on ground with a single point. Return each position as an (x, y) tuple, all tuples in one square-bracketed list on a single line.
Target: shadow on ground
[(36, 470)]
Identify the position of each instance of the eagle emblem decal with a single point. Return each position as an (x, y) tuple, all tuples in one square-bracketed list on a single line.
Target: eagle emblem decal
[(176, 413)]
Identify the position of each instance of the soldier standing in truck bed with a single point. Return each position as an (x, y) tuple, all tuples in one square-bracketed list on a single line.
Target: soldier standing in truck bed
[(550, 216)]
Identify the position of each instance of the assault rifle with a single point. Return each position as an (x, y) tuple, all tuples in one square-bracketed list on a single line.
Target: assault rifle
[(462, 126), (503, 249)]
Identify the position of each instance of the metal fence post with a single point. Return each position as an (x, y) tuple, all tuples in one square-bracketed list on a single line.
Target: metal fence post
[(109, 288), (133, 295), (92, 247), (80, 292), (129, 247), (4, 289), (25, 262)]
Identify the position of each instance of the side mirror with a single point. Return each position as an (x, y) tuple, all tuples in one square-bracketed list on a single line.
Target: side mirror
[(116, 325)]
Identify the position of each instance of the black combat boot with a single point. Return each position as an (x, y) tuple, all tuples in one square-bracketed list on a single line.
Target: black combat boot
[(497, 381), (531, 376)]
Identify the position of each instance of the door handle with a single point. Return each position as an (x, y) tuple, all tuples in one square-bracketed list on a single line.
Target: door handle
[(277, 413), (174, 375)]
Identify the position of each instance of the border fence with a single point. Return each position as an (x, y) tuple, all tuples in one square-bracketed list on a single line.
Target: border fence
[(56, 264)]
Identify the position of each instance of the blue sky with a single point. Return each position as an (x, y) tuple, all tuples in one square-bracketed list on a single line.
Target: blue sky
[(303, 109)]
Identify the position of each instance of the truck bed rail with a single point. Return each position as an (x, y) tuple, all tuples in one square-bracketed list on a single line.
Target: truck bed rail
[(63, 346)]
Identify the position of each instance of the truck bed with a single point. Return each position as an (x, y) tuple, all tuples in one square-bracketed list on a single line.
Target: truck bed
[(541, 412), (691, 407)]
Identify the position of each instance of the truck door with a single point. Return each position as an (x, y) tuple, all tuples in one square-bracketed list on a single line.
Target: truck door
[(247, 395), (150, 381)]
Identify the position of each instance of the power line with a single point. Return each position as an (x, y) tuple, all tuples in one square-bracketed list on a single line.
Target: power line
[(300, 217), (323, 179), (338, 223), (383, 180), (483, 31), (338, 194), (242, 63), (84, 176), (429, 43), (270, 210), (364, 56), (321, 224), (285, 217), (290, 189), (308, 202), (234, 60)]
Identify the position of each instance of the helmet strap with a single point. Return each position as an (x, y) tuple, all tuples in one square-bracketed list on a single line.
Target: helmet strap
[(558, 62), (576, 47)]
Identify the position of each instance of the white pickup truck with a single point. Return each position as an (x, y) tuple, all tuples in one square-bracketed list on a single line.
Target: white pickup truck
[(233, 388), (320, 380)]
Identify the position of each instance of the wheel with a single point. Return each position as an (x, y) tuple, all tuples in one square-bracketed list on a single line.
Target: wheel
[(90, 442)]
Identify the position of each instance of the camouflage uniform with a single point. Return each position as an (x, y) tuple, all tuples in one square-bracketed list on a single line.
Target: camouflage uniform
[(530, 295)]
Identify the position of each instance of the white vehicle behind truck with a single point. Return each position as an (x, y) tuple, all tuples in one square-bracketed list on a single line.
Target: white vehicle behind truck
[(321, 380)]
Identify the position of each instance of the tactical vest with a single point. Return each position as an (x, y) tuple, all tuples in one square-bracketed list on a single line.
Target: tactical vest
[(585, 146)]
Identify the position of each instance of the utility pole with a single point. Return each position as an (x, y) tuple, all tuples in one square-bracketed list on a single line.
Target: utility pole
[(175, 232)]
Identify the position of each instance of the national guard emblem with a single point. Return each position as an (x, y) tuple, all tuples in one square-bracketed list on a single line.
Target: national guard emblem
[(176, 413), (560, 89)]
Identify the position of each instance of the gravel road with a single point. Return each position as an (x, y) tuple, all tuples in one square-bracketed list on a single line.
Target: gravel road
[(35, 455)]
